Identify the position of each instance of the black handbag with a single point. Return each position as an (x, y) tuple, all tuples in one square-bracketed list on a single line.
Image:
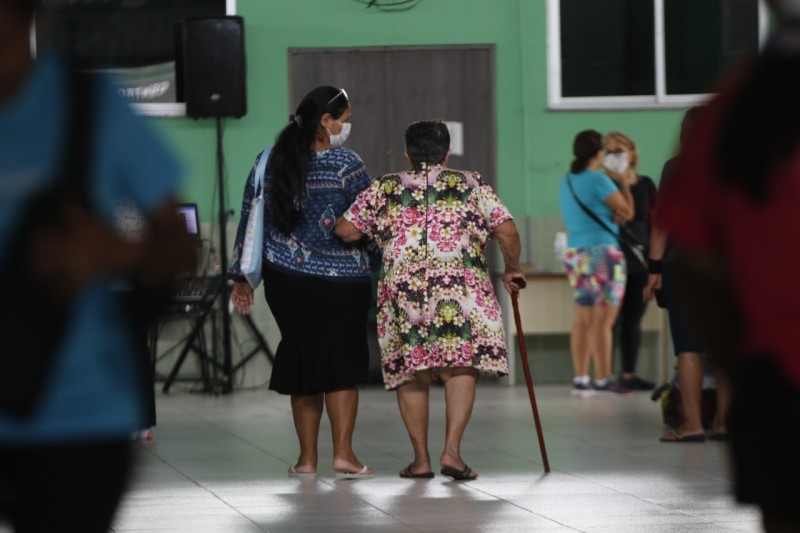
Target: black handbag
[(633, 249), (628, 242)]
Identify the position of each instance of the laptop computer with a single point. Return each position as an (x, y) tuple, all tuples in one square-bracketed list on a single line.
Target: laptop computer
[(188, 213)]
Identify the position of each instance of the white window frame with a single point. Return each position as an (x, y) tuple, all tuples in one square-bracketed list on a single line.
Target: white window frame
[(660, 100)]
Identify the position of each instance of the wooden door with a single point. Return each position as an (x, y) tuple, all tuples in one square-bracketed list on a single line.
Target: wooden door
[(390, 87)]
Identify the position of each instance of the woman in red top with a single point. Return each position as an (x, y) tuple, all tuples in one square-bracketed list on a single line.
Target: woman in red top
[(733, 207)]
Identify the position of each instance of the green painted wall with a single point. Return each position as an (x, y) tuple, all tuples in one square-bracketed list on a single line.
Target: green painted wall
[(533, 144)]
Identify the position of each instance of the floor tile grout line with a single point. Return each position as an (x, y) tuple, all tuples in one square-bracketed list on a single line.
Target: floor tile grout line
[(207, 489)]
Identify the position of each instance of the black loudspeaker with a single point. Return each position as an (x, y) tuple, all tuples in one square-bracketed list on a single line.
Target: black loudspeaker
[(211, 67)]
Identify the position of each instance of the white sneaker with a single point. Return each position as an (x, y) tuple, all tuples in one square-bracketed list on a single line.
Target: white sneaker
[(581, 389)]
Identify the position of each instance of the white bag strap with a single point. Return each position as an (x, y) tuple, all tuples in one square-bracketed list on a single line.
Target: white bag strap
[(258, 177)]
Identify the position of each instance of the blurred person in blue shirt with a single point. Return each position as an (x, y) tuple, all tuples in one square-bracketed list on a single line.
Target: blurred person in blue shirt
[(64, 463)]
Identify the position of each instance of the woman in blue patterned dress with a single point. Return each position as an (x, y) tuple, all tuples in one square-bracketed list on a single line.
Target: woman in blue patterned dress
[(317, 287)]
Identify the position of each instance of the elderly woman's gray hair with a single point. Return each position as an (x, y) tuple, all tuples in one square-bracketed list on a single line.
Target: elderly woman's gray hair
[(427, 141)]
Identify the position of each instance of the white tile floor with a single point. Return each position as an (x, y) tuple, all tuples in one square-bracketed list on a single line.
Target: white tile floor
[(218, 464)]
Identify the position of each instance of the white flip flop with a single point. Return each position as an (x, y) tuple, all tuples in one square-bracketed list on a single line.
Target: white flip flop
[(361, 474), (295, 473)]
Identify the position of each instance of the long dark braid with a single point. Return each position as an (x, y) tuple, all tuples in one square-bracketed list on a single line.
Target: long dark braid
[(292, 154)]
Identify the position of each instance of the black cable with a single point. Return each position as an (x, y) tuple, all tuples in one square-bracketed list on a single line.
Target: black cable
[(240, 345), (212, 228), (223, 254), (161, 377), (180, 342), (390, 5), (208, 258)]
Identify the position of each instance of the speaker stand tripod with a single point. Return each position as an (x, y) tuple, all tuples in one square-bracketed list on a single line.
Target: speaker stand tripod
[(229, 368), (196, 341), (261, 346)]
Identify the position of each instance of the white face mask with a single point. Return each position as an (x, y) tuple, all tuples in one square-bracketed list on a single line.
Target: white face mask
[(617, 163), (341, 137)]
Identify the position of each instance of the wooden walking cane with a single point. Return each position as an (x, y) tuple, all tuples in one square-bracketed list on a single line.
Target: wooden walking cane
[(521, 283)]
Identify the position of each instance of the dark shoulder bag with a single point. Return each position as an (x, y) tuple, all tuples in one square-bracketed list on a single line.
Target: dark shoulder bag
[(33, 316), (628, 242)]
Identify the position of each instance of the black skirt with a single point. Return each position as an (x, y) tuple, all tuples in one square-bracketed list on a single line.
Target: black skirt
[(323, 327)]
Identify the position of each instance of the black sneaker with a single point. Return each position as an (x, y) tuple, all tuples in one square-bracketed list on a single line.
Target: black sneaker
[(611, 386), (637, 383)]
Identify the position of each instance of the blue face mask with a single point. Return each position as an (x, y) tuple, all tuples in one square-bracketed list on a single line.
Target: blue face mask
[(341, 137)]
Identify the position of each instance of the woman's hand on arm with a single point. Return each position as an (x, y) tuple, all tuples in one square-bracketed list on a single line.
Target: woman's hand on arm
[(508, 238), (242, 297), (346, 231), (621, 204)]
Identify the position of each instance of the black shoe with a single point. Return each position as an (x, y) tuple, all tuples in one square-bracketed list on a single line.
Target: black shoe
[(637, 383), (611, 386)]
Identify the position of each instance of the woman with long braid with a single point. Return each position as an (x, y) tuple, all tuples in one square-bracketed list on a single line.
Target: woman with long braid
[(317, 287)]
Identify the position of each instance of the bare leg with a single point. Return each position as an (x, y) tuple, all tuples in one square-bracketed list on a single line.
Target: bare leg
[(459, 395), (601, 339), (412, 399), (342, 406), (579, 340), (690, 379), (307, 412), (720, 424)]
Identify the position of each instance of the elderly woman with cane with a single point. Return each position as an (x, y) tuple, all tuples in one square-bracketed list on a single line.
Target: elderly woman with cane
[(437, 312)]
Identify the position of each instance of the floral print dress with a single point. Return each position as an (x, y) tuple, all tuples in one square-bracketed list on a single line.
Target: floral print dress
[(436, 304)]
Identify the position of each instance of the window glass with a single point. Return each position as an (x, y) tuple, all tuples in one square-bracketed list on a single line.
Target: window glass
[(704, 38), (607, 48)]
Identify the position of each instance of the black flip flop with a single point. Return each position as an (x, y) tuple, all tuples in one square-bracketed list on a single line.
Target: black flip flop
[(458, 475), (407, 473)]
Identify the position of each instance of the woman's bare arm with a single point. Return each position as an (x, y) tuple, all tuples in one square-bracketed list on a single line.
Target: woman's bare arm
[(508, 238), (346, 231)]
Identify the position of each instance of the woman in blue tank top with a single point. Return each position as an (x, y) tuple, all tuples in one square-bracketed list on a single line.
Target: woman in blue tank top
[(595, 264)]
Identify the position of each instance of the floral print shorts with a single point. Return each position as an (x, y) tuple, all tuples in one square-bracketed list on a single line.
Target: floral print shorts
[(597, 275)]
